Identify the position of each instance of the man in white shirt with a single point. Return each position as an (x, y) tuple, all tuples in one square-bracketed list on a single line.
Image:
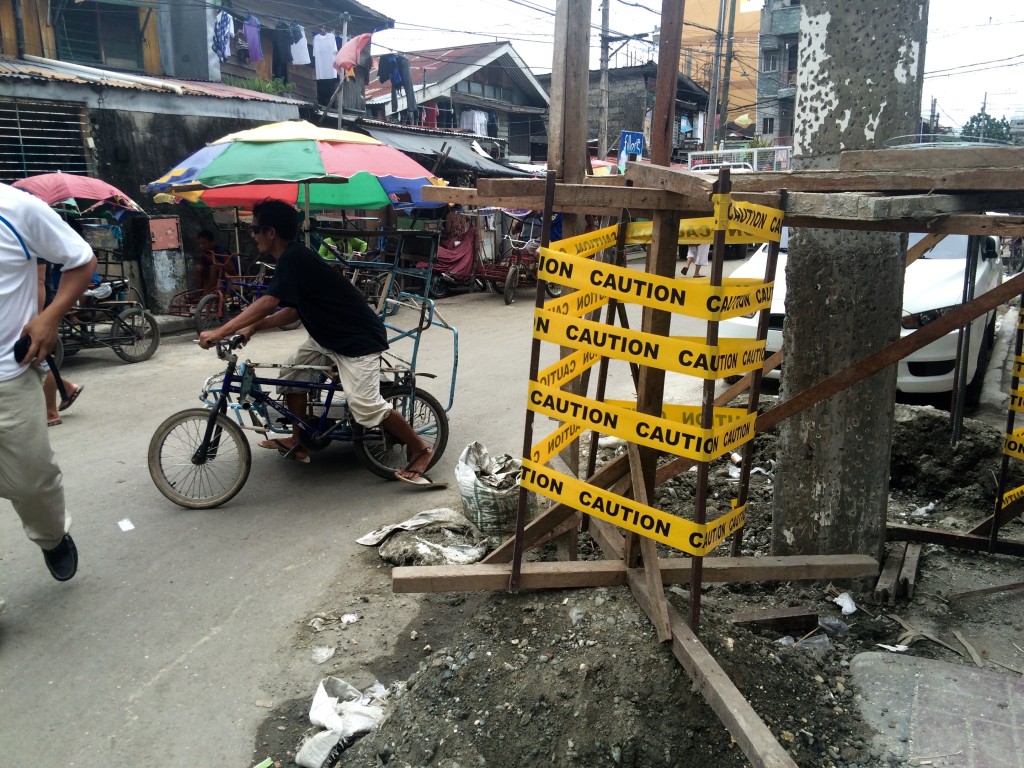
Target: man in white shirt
[(29, 475)]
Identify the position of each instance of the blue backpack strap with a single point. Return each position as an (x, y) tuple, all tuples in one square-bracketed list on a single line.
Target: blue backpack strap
[(17, 235)]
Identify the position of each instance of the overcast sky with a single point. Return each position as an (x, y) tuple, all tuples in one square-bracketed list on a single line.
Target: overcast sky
[(975, 51)]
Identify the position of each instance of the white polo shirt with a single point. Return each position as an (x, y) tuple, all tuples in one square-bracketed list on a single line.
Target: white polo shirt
[(29, 229)]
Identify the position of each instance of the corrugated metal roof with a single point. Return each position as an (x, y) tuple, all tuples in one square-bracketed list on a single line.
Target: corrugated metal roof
[(50, 72), (433, 66), (435, 70), (460, 151)]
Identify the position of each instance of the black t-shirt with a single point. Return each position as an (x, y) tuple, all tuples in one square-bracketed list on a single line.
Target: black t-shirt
[(334, 312)]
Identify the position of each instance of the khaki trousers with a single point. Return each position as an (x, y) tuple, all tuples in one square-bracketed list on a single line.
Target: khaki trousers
[(29, 475)]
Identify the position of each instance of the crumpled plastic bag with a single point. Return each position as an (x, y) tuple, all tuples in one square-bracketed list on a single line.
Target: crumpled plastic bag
[(489, 487), (446, 537), (344, 713)]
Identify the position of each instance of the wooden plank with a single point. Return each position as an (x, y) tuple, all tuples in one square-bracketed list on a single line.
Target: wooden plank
[(941, 214), (1006, 514), (652, 571), (923, 158), (739, 718), (586, 196), (605, 573), (985, 591), (955, 224), (943, 180), (908, 574), (572, 524), (888, 586), (671, 179), (955, 539), (608, 537), (915, 251), (786, 620)]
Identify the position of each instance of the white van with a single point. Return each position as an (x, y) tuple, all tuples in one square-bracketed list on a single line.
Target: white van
[(932, 286)]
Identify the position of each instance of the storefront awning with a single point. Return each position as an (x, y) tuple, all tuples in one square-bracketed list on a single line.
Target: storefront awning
[(461, 153)]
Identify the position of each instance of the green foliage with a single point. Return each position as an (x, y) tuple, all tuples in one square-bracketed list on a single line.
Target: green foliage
[(760, 141), (984, 126), (275, 87)]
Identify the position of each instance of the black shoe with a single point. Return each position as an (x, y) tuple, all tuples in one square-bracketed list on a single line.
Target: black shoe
[(62, 560)]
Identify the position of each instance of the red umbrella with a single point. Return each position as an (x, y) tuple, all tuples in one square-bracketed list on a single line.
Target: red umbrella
[(86, 192)]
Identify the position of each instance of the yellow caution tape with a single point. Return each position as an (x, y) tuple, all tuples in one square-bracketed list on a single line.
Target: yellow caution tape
[(1013, 444), (689, 440), (555, 443), (681, 354), (695, 298), (1017, 400), (762, 222), (685, 535), (576, 304), (585, 245), (561, 372), (1011, 496)]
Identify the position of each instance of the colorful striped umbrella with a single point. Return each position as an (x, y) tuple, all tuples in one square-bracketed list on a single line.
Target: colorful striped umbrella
[(300, 163)]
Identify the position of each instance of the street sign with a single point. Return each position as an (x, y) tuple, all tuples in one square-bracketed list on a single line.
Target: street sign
[(630, 143)]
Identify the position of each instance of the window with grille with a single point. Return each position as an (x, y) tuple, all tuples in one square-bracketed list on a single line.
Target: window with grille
[(768, 125), (771, 61), (99, 34), (40, 137)]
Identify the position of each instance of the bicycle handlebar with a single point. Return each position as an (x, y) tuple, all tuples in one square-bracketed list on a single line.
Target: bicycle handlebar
[(226, 346)]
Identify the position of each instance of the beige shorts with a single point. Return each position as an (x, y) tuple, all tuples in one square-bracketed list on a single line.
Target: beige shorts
[(699, 253), (360, 379)]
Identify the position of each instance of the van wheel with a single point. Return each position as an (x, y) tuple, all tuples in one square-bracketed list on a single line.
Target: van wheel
[(972, 392)]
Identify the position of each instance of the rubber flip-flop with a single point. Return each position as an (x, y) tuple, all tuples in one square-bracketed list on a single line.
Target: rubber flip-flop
[(421, 480), (65, 404), (54, 423), (289, 452), (273, 444)]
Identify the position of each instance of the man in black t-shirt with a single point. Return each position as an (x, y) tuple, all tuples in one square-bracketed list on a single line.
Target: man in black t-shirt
[(343, 329)]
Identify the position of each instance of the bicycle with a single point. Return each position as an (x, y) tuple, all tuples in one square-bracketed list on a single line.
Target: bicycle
[(233, 294), (199, 458), (103, 319), (520, 261)]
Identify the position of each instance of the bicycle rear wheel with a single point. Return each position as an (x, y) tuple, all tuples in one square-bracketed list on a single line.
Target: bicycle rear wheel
[(192, 482), (134, 335), (380, 452)]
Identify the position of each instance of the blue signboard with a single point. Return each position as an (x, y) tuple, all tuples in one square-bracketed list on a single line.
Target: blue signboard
[(630, 143)]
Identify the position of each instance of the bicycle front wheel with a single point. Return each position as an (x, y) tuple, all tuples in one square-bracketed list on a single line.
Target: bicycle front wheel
[(209, 313), (511, 283), (378, 449), (134, 335), (192, 478)]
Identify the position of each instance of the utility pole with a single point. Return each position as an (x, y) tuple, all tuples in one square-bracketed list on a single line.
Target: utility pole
[(933, 119), (341, 75), (602, 133), (724, 130), (716, 74)]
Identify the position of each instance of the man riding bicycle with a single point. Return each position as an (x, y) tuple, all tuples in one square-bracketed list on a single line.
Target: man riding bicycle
[(343, 330)]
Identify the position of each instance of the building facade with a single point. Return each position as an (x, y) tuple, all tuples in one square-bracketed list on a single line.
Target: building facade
[(776, 91)]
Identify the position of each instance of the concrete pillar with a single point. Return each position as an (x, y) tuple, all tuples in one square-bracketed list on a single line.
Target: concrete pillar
[(859, 83)]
